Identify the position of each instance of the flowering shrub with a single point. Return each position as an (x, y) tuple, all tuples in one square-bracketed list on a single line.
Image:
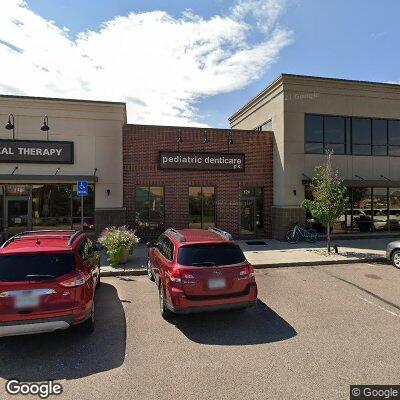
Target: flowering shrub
[(117, 241)]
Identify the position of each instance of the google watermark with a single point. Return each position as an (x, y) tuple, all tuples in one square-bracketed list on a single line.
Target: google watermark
[(42, 390), (374, 392)]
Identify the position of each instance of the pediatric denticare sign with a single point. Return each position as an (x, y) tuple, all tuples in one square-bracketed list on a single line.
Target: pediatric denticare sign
[(202, 161)]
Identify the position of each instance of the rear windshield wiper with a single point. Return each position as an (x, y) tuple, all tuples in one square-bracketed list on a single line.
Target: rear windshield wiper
[(205, 263), (39, 276)]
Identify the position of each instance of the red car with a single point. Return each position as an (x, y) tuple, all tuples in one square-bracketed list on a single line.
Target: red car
[(200, 270), (47, 282)]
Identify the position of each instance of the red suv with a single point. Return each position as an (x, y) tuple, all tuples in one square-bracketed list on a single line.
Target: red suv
[(200, 270), (47, 282)]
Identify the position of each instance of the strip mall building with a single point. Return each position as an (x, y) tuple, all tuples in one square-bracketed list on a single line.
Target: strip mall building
[(249, 180)]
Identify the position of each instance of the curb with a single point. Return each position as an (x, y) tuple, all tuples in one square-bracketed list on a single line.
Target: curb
[(324, 262), (138, 272)]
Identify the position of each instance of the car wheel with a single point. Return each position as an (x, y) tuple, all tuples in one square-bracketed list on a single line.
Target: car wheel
[(88, 325), (98, 282), (149, 273), (165, 313), (396, 259)]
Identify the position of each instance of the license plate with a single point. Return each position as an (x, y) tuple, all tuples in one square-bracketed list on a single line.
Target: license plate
[(27, 300), (216, 284)]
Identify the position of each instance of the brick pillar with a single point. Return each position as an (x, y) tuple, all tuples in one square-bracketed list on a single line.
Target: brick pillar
[(283, 218)]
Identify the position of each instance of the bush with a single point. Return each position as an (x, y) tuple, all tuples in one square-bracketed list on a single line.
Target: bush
[(116, 241)]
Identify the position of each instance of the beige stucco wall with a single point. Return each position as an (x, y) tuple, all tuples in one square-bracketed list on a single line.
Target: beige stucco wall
[(263, 109), (94, 127), (331, 97)]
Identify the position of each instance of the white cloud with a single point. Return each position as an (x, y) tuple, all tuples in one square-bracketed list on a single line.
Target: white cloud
[(160, 65)]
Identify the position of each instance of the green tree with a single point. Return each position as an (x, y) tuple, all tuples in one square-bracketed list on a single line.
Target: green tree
[(330, 196)]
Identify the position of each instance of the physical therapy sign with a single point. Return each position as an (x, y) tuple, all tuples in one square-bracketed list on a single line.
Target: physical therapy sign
[(34, 151), (201, 161)]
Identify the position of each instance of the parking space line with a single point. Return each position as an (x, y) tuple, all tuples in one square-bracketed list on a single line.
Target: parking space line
[(380, 307)]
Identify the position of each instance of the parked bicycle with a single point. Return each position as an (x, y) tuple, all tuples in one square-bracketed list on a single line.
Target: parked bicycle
[(308, 234)]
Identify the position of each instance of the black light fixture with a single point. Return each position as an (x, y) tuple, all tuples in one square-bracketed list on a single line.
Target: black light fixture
[(94, 172), (359, 177), (45, 127), (108, 192), (179, 140), (15, 168), (230, 140), (57, 171), (205, 137), (386, 178), (10, 125)]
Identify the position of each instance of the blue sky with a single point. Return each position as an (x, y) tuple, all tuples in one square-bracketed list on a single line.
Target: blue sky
[(354, 39)]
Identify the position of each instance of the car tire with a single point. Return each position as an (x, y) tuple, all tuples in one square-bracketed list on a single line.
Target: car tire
[(164, 311), (149, 273), (98, 282), (88, 326), (396, 259)]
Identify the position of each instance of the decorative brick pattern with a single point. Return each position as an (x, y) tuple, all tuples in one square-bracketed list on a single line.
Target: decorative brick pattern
[(283, 218), (141, 146)]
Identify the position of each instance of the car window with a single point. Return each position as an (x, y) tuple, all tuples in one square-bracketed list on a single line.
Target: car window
[(166, 247), (18, 268), (210, 255)]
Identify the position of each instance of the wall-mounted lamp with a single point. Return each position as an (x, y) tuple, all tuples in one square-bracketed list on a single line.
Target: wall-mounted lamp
[(57, 171), (359, 177), (45, 127), (10, 125), (294, 192), (108, 192), (95, 172), (384, 177), (230, 140), (205, 137), (179, 140), (16, 167)]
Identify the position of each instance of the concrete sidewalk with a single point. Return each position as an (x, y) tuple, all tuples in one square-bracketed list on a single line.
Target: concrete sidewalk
[(276, 254)]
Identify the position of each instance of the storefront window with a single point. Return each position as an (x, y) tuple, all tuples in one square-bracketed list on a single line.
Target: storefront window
[(88, 209), (394, 209), (201, 207), (362, 210), (51, 206), (149, 207), (380, 207)]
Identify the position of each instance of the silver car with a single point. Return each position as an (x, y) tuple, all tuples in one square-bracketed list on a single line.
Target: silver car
[(393, 253)]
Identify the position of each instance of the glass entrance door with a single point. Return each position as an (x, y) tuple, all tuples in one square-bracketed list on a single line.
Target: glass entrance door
[(247, 216), (18, 215)]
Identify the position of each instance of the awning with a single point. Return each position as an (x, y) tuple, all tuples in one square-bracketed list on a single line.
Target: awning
[(364, 183), (8, 178)]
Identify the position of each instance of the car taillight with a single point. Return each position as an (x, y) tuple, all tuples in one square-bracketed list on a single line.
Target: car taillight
[(247, 272), (77, 280), (174, 276)]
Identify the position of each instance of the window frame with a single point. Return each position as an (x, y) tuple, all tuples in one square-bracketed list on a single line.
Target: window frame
[(349, 143), (202, 203), (148, 187)]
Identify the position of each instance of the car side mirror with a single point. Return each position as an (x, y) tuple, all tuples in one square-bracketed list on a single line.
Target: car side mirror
[(150, 244)]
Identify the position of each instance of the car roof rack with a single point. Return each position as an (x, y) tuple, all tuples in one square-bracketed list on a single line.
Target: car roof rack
[(73, 235), (222, 233), (177, 234)]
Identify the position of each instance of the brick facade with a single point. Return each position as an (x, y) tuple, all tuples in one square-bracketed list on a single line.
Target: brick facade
[(141, 146), (106, 218), (283, 218)]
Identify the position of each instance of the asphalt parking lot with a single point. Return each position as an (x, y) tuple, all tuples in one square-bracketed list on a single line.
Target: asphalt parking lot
[(315, 331)]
